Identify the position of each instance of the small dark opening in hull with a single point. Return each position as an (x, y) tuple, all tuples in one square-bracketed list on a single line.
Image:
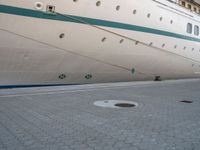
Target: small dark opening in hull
[(157, 78)]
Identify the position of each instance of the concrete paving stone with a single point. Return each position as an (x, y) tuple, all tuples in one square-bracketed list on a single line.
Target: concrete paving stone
[(36, 147), (121, 145), (46, 118), (129, 148), (81, 147), (65, 148), (196, 146)]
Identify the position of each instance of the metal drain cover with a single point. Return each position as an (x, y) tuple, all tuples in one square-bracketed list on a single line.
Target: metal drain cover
[(125, 105), (116, 104), (186, 101)]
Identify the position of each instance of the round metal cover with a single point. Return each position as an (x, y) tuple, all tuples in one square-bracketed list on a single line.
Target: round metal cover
[(116, 104)]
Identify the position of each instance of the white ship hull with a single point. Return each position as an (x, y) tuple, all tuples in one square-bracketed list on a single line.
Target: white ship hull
[(99, 43)]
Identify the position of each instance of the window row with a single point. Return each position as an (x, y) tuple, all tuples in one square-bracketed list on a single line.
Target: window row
[(190, 29), (191, 5), (98, 3), (152, 44)]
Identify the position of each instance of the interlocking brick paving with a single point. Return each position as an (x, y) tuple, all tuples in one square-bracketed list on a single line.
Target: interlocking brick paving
[(64, 118)]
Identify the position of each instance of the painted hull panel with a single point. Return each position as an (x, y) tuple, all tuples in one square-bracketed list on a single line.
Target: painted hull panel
[(32, 53)]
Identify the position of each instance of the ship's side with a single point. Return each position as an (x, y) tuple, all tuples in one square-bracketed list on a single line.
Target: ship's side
[(75, 42)]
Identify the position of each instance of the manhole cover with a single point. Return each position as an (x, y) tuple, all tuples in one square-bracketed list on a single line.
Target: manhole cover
[(186, 101), (125, 105), (116, 104)]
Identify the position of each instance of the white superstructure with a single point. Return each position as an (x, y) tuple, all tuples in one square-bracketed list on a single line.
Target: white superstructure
[(45, 42)]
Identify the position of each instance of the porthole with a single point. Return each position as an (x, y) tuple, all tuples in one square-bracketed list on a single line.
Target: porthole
[(98, 3), (88, 76), (163, 45), (121, 41), (62, 35), (137, 42), (118, 8), (103, 39), (134, 11), (38, 5), (149, 15), (62, 76)]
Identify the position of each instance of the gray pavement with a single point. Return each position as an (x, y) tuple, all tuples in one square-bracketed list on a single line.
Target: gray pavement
[(64, 118)]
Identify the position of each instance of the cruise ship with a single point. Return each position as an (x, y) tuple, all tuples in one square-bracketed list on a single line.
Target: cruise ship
[(45, 42)]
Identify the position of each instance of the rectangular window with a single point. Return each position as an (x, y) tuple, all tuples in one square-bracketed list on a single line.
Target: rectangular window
[(50, 8), (196, 30), (183, 3), (195, 9), (189, 6), (189, 28)]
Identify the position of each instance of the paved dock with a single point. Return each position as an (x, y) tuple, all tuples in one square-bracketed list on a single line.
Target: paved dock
[(65, 118)]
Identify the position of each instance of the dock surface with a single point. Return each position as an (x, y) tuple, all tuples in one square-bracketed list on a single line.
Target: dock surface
[(65, 118)]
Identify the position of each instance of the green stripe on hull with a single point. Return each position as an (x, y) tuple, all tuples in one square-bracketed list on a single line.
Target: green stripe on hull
[(98, 22)]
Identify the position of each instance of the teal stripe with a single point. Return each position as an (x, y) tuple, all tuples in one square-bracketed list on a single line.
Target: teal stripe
[(98, 22)]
